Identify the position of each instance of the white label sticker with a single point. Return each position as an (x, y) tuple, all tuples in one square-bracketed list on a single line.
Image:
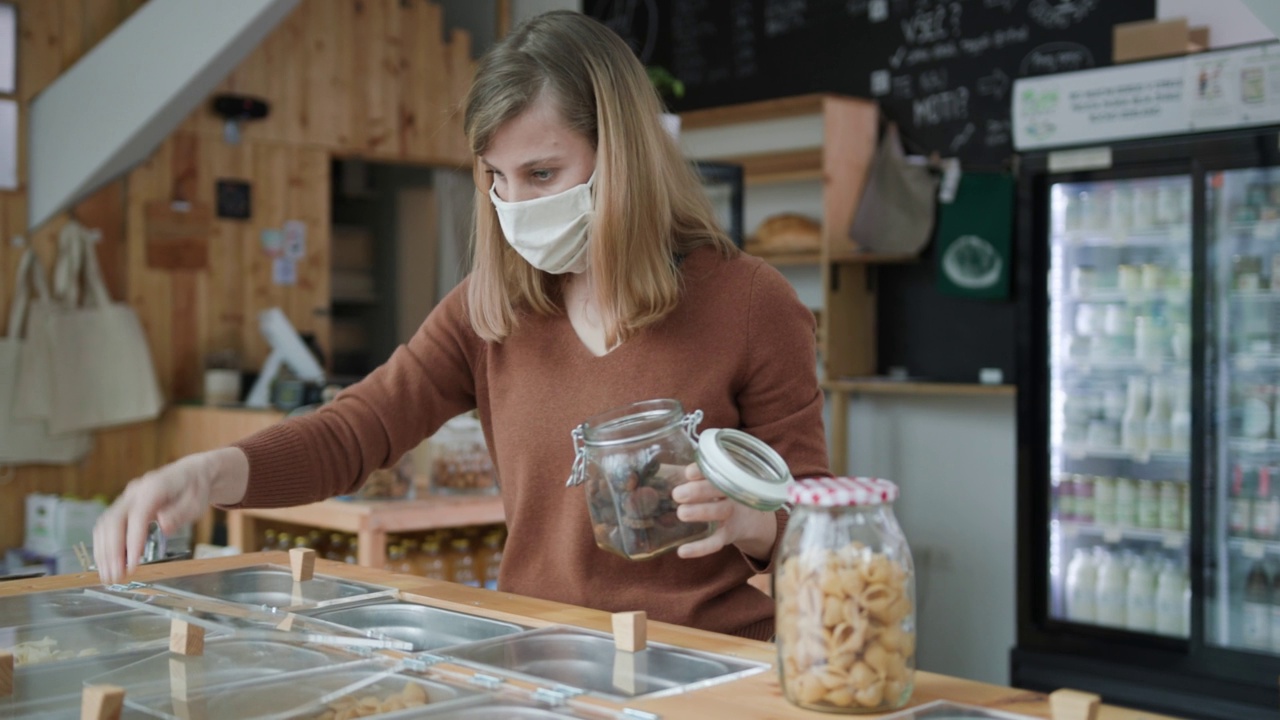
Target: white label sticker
[(284, 271), (1173, 540), (1112, 536), (1254, 550), (1098, 158)]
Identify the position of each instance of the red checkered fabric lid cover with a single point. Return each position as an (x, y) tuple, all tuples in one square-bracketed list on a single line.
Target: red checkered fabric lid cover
[(843, 492)]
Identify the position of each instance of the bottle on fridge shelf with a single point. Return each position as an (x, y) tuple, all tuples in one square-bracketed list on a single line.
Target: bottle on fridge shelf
[(1126, 502), (1157, 425), (1144, 208), (463, 565), (284, 541), (1172, 596), (316, 541), (1256, 409), (302, 541), (1084, 498), (352, 556), (1263, 525), (1275, 616), (1256, 616), (1140, 596), (1121, 210), (1148, 504), (1133, 427), (1082, 587), (1185, 491), (1112, 594), (1180, 419), (1117, 325), (1115, 402), (1104, 500), (1170, 506), (1240, 502), (1064, 502), (394, 559)]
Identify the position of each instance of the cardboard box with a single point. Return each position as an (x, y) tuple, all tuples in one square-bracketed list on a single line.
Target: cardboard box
[(1149, 39)]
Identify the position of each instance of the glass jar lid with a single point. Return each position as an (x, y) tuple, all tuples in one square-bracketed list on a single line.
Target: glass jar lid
[(744, 468), (843, 492)]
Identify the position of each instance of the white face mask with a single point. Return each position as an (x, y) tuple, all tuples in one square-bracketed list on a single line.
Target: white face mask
[(550, 232)]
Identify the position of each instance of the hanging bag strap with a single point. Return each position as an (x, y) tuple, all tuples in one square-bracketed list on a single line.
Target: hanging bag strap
[(30, 266), (77, 259)]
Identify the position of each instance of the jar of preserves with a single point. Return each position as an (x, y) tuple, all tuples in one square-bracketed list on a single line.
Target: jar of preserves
[(630, 459), (845, 594), (460, 461)]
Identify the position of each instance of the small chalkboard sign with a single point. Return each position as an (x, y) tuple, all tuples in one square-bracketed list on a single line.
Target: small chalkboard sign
[(941, 69)]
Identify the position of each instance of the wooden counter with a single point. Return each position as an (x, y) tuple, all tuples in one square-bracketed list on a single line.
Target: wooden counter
[(757, 696)]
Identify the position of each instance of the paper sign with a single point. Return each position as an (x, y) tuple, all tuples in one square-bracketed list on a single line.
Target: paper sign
[(295, 239), (272, 242), (1254, 550), (284, 271), (1112, 536)]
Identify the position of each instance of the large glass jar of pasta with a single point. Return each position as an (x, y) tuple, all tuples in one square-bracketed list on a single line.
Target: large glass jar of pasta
[(629, 459), (845, 593)]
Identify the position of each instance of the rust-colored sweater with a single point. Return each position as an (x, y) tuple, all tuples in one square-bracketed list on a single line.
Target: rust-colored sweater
[(740, 346)]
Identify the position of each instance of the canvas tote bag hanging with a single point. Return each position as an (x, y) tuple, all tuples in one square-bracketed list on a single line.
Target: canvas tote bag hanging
[(896, 212), (28, 442), (102, 370)]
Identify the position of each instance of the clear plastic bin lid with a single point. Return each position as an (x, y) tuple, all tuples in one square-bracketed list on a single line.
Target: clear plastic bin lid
[(512, 707), (271, 586), (380, 686), (223, 661), (46, 607), (59, 642), (53, 689), (242, 622)]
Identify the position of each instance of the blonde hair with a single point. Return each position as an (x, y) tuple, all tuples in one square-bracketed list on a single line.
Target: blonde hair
[(650, 207)]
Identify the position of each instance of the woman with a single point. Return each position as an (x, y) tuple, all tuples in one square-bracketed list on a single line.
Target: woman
[(599, 278)]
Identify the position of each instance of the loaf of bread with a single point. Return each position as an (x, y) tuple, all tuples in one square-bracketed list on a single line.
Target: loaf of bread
[(786, 233)]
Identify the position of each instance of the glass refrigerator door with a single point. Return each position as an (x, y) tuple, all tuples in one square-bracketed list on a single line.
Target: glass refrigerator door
[(1120, 403), (1243, 596)]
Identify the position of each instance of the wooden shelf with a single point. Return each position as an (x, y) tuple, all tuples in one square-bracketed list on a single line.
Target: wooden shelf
[(815, 258), (371, 521), (754, 112), (789, 259), (776, 167), (891, 387)]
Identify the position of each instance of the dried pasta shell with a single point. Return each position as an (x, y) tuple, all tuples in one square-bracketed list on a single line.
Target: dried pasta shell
[(891, 637), (850, 582), (832, 584), (871, 695), (877, 599), (809, 688), (862, 676), (877, 658), (900, 608), (895, 667), (414, 694), (832, 610), (877, 571), (840, 697), (832, 678), (893, 691), (908, 644)]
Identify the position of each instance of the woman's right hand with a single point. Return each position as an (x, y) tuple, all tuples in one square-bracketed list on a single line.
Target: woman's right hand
[(174, 495)]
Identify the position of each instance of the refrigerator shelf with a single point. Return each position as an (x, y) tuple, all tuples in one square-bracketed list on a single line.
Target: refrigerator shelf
[(1245, 362), (1260, 230), (1083, 452), (1116, 295), (1084, 366), (1254, 446), (1115, 535), (1177, 236), (1252, 548)]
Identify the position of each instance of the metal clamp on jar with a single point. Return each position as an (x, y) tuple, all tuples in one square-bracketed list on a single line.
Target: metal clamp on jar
[(631, 458)]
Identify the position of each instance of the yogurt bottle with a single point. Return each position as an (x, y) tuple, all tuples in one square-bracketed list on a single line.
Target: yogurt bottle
[(1171, 601), (1140, 597), (1082, 588), (1111, 595)]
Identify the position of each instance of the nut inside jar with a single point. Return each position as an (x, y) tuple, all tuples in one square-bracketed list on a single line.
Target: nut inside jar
[(634, 511)]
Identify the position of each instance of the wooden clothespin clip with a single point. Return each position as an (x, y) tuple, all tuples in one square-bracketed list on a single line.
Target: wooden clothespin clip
[(303, 563), (1073, 705), (6, 674), (629, 631), (286, 625), (185, 638), (101, 702)]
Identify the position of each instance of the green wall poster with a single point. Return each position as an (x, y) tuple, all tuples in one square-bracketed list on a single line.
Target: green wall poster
[(975, 238)]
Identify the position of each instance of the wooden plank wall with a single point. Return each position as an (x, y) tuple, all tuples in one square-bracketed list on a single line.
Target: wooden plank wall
[(373, 79)]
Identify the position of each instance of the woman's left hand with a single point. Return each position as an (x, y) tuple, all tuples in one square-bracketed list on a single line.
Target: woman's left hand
[(753, 531)]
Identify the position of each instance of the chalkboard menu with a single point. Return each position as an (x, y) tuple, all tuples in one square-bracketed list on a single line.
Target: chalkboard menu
[(942, 69)]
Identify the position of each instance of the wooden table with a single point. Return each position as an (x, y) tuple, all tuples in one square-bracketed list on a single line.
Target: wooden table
[(755, 697), (370, 521)]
